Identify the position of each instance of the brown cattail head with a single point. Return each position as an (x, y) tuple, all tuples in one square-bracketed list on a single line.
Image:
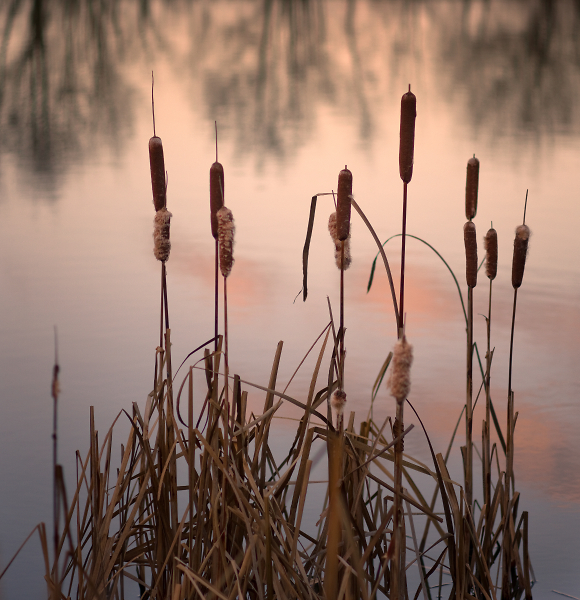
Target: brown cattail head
[(162, 245), (470, 238), (157, 164), (343, 204), (216, 194), (343, 258), (490, 243), (399, 381), (471, 187), (226, 230), (407, 135), (520, 253)]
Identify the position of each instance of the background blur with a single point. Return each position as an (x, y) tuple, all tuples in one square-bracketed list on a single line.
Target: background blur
[(298, 89)]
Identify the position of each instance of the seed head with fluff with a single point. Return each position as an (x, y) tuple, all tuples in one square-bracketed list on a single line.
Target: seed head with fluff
[(162, 245), (342, 262), (226, 230), (399, 381), (338, 401)]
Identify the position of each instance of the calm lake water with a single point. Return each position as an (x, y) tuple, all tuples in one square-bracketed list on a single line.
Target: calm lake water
[(298, 89)]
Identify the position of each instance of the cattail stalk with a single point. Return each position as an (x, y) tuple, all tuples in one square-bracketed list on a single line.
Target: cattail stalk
[(406, 157), (216, 201), (518, 265), (343, 207), (470, 240), (490, 244), (162, 246)]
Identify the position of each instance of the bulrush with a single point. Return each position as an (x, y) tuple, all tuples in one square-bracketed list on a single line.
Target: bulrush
[(471, 188), (343, 259), (226, 230), (407, 135), (216, 194), (399, 381), (470, 238), (161, 234), (157, 164), (490, 244), (343, 204), (520, 253)]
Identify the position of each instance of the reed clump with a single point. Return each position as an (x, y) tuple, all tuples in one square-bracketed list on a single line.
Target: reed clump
[(199, 506)]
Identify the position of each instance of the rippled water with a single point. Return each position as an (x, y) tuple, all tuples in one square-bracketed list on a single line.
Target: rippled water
[(298, 89)]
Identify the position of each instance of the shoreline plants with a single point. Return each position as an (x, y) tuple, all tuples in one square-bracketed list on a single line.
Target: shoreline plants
[(199, 507)]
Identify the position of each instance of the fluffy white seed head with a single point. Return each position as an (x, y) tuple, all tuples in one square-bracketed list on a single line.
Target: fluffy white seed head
[(342, 261), (226, 230), (162, 245), (338, 401), (399, 382)]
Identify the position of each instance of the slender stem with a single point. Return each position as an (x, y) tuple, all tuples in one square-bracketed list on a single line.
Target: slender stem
[(216, 306), (341, 329), (403, 243), (469, 403), (512, 341), (510, 441), (226, 353), (486, 437)]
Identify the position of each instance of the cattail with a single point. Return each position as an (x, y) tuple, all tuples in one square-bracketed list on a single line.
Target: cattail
[(470, 238), (490, 243), (157, 164), (471, 188), (161, 234), (399, 381), (343, 260), (520, 253), (343, 204), (407, 135), (338, 401), (226, 230), (216, 194)]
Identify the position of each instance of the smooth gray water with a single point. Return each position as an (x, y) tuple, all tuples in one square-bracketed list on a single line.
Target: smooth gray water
[(299, 89)]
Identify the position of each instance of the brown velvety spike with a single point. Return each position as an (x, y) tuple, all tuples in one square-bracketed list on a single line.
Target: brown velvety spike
[(490, 243), (157, 164), (471, 188), (407, 135), (216, 194), (470, 238), (343, 204), (520, 253)]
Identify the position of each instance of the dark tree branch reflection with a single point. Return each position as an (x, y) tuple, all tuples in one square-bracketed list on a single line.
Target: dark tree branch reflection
[(268, 68)]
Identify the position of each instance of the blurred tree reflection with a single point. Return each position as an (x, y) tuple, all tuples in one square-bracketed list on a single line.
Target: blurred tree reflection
[(267, 69), (517, 65)]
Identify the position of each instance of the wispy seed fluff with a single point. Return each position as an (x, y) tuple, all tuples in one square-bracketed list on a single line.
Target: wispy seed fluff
[(226, 230), (332, 228), (520, 253), (338, 402), (162, 245), (399, 381)]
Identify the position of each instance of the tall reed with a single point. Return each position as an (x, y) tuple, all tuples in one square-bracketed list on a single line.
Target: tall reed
[(471, 266), (216, 201)]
